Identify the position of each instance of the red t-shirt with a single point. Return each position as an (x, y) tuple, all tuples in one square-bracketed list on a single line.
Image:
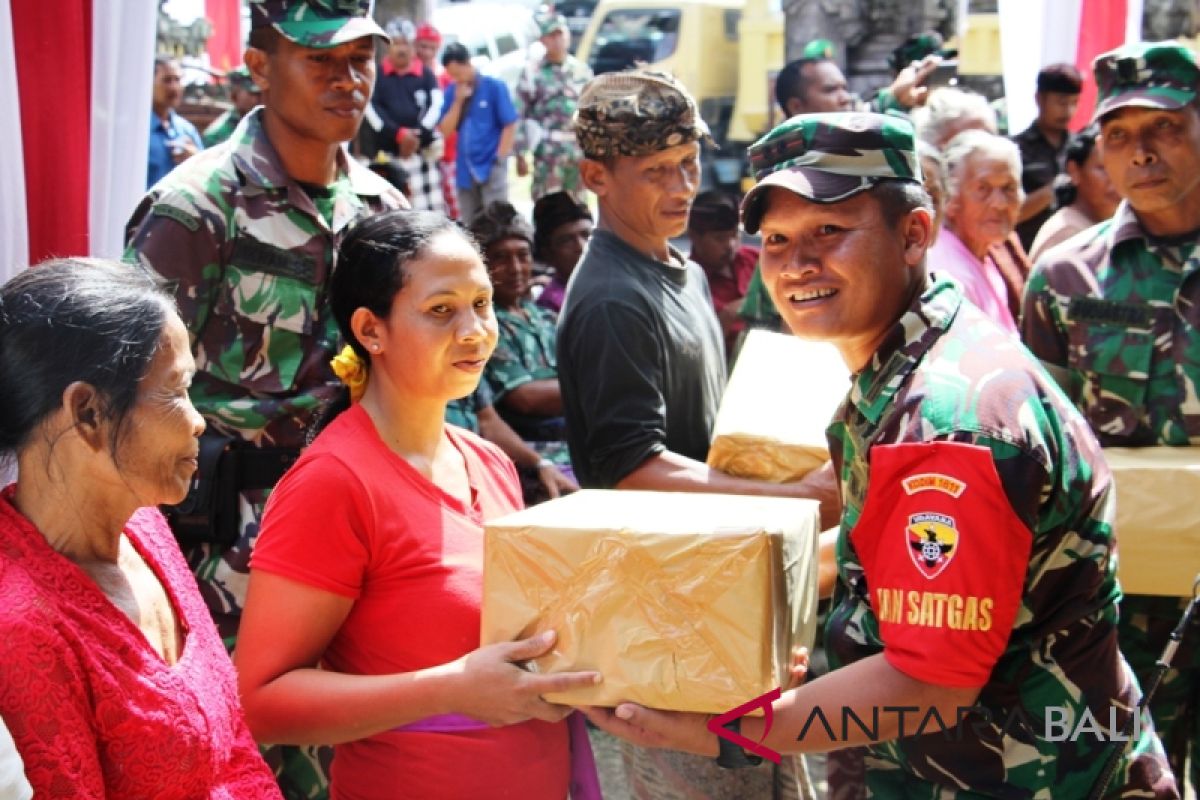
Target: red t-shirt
[(353, 518), (731, 287)]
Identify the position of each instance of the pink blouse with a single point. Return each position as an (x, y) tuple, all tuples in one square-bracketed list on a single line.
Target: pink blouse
[(980, 281), (94, 710)]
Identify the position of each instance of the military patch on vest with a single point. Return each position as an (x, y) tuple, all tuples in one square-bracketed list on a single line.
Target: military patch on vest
[(189, 221), (251, 254), (932, 542), (935, 482), (1109, 312)]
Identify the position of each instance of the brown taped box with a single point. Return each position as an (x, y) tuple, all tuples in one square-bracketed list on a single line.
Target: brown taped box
[(781, 396), (1158, 520), (687, 602)]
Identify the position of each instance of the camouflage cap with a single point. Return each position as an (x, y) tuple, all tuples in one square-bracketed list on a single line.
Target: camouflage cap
[(635, 113), (240, 78), (830, 157), (317, 23), (549, 21), (1145, 74)]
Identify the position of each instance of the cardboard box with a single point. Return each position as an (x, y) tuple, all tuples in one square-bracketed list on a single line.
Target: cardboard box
[(688, 602), (1158, 519), (781, 396)]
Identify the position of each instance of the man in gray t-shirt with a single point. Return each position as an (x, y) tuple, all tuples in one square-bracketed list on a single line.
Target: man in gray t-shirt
[(641, 360)]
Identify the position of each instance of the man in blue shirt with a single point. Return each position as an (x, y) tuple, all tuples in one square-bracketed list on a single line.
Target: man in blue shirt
[(478, 107), (172, 138)]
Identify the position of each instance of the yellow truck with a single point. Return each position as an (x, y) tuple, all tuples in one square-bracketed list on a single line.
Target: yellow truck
[(724, 51), (728, 52)]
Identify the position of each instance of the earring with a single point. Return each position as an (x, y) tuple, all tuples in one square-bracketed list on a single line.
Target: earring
[(374, 348)]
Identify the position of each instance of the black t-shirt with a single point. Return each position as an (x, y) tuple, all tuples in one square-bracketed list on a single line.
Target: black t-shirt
[(640, 361), (1040, 163)]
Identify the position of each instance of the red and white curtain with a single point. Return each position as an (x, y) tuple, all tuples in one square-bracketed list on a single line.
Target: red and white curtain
[(75, 86), (1034, 33)]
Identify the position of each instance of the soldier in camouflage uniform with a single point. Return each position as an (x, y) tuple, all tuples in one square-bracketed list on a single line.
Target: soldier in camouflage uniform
[(522, 373), (245, 234), (546, 98), (245, 95), (975, 564), (1114, 314)]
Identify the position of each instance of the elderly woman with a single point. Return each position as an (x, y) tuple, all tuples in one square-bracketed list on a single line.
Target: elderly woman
[(113, 681), (983, 199), (523, 372)]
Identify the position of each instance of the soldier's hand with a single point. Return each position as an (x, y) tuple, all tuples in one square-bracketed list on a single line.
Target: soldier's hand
[(674, 730), (496, 690), (522, 165)]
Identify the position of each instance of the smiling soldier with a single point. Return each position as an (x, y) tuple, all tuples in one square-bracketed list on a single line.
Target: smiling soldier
[(245, 233), (974, 564)]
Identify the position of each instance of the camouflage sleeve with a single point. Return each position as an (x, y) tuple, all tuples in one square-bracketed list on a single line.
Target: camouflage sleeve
[(524, 101), (757, 307), (170, 237), (505, 370), (885, 102), (1042, 329)]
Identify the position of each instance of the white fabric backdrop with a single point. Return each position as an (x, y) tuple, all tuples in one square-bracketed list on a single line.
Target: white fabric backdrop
[(14, 232), (122, 74), (1033, 33)]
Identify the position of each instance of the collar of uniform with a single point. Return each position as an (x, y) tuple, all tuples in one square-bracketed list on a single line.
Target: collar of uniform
[(255, 158), (910, 338), (1125, 226), (1173, 255)]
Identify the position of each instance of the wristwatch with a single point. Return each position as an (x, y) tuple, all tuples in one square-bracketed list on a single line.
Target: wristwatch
[(732, 756)]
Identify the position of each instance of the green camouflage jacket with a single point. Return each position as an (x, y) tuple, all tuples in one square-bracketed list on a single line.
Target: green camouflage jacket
[(976, 549), (547, 95), (221, 128), (1115, 317), (524, 350), (248, 255)]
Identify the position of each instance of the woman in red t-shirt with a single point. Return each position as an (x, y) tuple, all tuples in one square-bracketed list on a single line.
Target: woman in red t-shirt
[(361, 626)]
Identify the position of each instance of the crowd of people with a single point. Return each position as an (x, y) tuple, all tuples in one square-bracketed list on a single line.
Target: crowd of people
[(278, 427)]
